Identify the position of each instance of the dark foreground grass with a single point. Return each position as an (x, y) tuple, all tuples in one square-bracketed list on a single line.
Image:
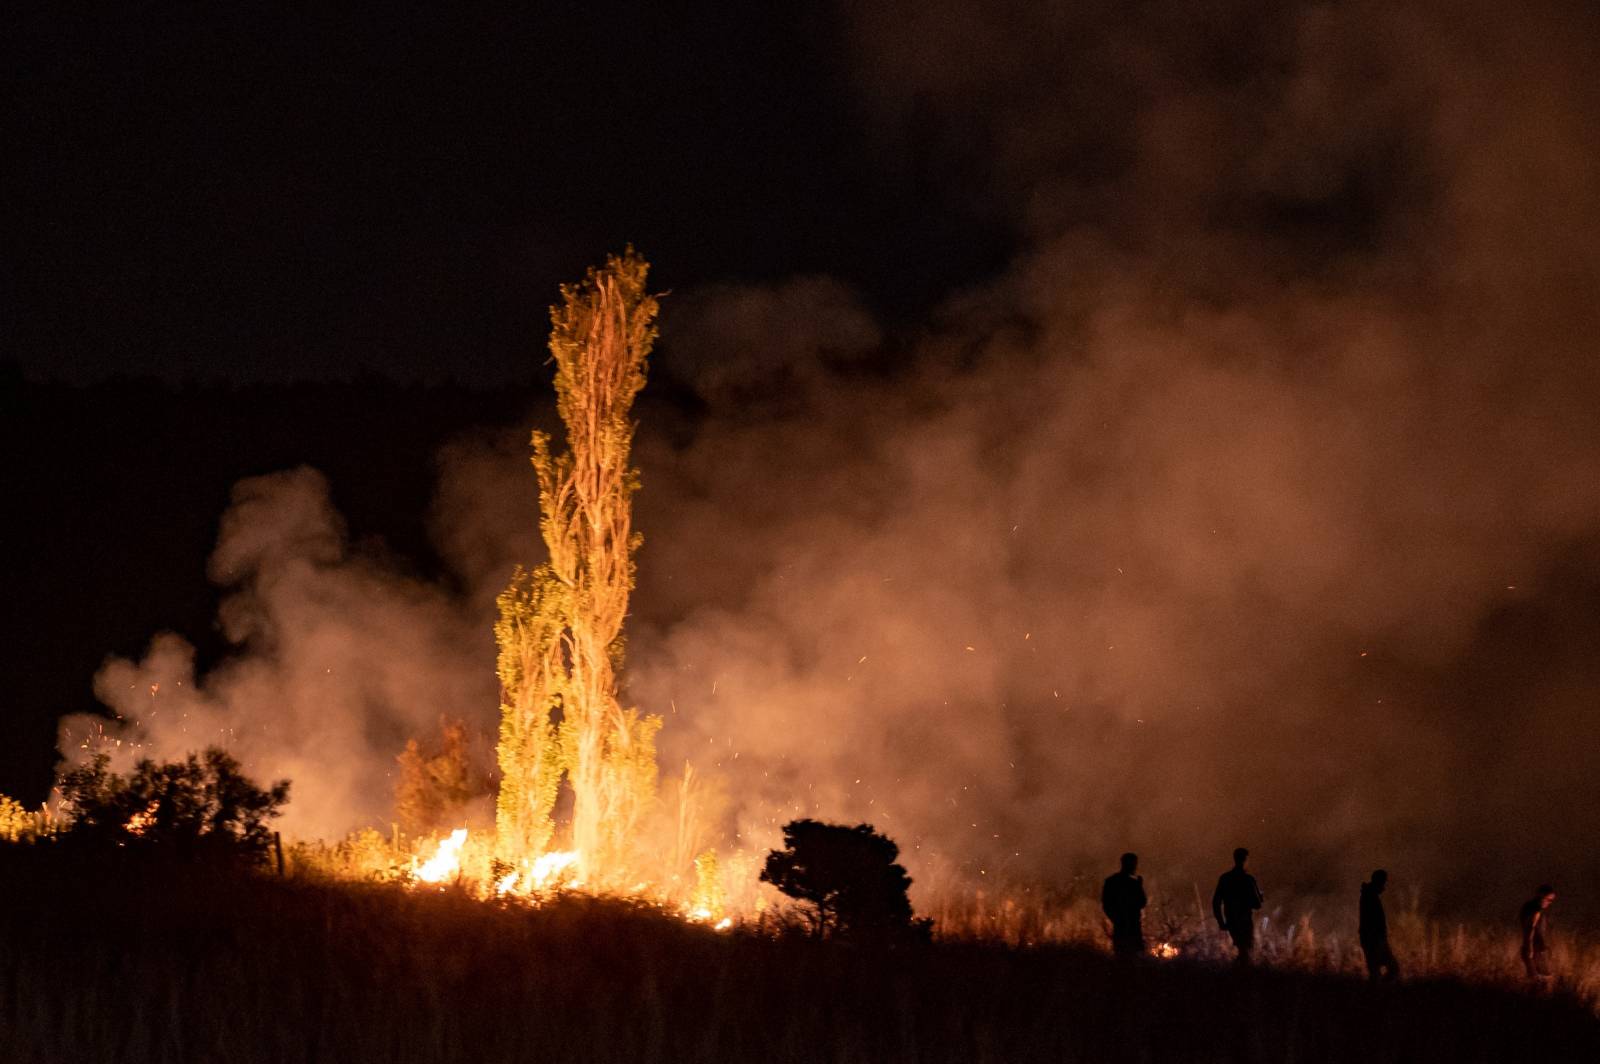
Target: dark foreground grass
[(125, 964)]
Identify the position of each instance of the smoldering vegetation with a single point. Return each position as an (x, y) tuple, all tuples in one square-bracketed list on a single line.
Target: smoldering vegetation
[(1255, 503), (170, 966)]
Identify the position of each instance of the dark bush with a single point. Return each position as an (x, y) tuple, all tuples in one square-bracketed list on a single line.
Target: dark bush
[(847, 876), (199, 808)]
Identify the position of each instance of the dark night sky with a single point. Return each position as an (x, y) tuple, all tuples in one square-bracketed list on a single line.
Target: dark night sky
[(251, 194)]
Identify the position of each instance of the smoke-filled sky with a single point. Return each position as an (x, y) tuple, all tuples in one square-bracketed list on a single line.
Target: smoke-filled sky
[(1252, 496)]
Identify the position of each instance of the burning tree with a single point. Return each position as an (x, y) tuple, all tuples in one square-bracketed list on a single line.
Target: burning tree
[(436, 781), (560, 628), (533, 614)]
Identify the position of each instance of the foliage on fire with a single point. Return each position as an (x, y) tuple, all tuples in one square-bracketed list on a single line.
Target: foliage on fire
[(560, 651), (436, 781), (17, 824), (529, 753), (560, 628)]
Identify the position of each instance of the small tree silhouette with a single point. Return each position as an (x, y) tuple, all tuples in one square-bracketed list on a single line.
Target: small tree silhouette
[(201, 808), (848, 877)]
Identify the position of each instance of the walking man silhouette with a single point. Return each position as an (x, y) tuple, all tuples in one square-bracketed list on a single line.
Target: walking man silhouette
[(1535, 947), (1123, 900), (1374, 931), (1234, 904)]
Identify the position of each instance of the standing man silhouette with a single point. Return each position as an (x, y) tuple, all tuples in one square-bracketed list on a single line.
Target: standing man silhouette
[(1234, 904), (1123, 900), (1374, 931), (1535, 947)]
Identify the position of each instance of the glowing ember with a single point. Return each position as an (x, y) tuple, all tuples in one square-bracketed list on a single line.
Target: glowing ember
[(1165, 951), (140, 822), (446, 861)]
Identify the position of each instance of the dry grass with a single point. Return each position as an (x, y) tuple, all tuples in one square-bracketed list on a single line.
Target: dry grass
[(1303, 937), (1310, 936), (131, 964)]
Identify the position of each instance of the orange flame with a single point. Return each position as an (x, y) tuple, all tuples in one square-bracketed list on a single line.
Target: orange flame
[(446, 861)]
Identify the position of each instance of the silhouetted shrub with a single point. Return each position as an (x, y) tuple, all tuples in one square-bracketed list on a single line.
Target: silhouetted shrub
[(847, 876), (201, 808)]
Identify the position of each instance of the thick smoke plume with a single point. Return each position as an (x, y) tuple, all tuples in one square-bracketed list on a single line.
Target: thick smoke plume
[(340, 661), (1195, 528), (1256, 503)]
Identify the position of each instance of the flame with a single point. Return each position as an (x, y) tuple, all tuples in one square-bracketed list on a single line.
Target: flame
[(533, 881), (446, 861), (542, 873), (702, 915), (1165, 951), (140, 822), (548, 868)]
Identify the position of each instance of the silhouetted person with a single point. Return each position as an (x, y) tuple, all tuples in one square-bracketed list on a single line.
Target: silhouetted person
[(1535, 947), (1234, 904), (1374, 931), (1123, 900)]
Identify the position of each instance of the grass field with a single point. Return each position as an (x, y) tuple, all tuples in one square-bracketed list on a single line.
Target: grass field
[(129, 964), (1307, 935)]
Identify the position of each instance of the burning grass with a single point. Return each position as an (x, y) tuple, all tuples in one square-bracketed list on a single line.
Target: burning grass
[(152, 964), (1301, 935)]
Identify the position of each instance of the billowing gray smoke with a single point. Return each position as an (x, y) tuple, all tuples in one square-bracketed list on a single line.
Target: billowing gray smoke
[(1256, 503)]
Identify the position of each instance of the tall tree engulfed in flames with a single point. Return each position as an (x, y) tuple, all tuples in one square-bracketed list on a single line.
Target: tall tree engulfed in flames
[(560, 627)]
